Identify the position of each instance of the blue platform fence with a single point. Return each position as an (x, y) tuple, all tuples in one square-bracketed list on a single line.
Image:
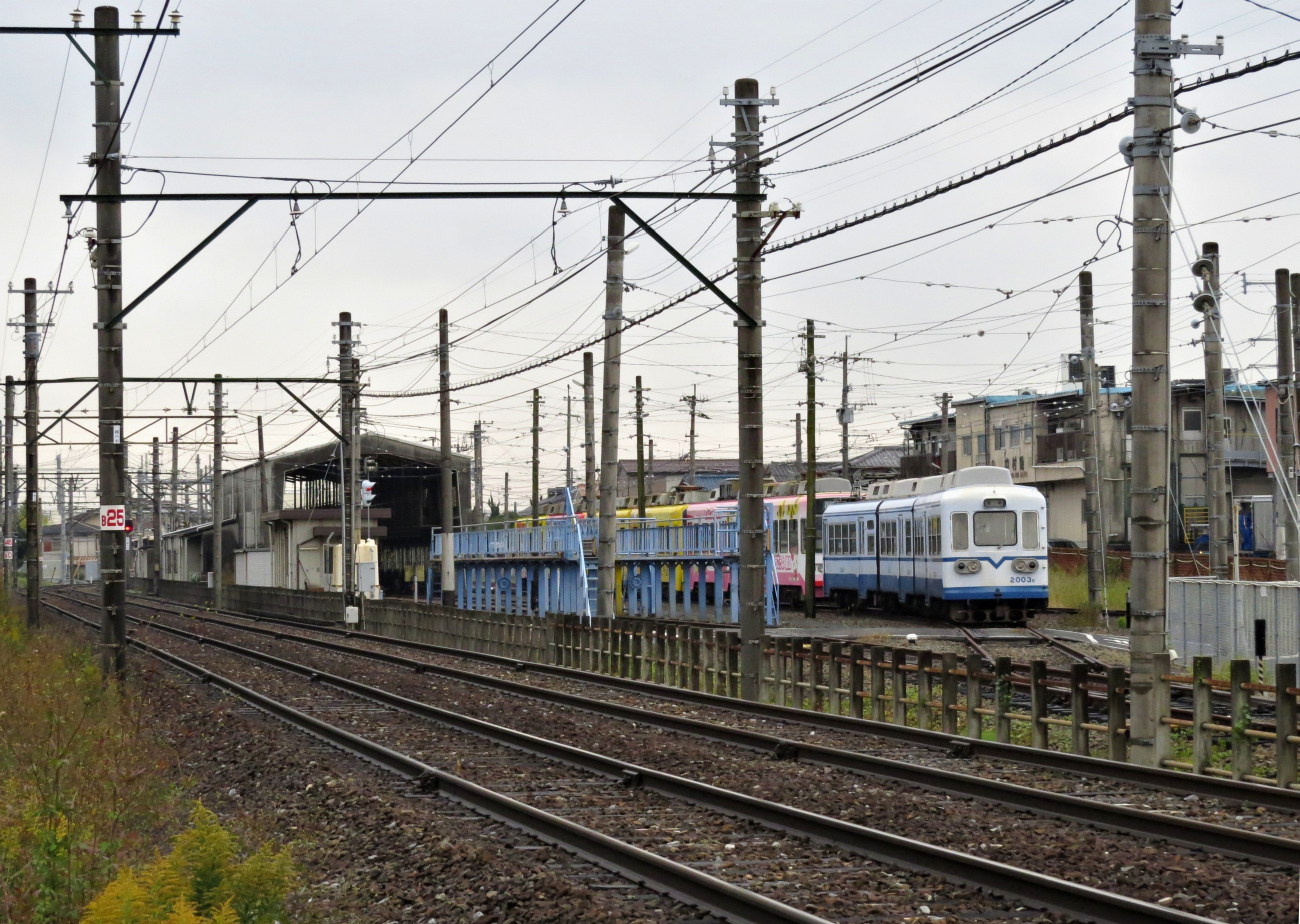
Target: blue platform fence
[(684, 571)]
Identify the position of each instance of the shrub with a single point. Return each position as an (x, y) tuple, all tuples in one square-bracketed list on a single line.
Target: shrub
[(203, 880), (80, 787)]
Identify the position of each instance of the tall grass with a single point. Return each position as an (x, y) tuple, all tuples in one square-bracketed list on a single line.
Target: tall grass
[(80, 782), (1068, 589)]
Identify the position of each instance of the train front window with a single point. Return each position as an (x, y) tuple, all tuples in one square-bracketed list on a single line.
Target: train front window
[(1029, 528), (960, 532), (995, 527)]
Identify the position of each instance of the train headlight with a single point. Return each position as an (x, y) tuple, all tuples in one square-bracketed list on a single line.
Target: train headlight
[(967, 565), (1025, 565)]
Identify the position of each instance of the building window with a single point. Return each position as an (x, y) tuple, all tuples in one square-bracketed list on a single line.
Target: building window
[(982, 445), (1029, 434), (1014, 433), (1192, 423), (965, 445), (999, 438)]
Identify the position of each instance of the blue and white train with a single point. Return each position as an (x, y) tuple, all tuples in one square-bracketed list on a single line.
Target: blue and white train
[(970, 546)]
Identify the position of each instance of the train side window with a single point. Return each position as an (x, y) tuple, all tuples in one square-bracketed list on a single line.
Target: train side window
[(869, 537), (783, 535), (853, 537), (907, 537), (800, 541), (1029, 528), (934, 533), (960, 532)]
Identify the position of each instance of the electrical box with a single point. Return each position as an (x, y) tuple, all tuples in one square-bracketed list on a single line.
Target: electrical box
[(351, 615)]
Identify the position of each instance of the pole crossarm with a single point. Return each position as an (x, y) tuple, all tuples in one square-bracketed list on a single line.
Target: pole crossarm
[(186, 380), (70, 198), (673, 252), (319, 419), (117, 318), (72, 407), (71, 31)]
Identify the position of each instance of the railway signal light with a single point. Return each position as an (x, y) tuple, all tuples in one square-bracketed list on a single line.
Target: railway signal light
[(367, 493)]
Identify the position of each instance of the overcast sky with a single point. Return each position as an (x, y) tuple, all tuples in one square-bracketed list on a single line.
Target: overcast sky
[(315, 91)]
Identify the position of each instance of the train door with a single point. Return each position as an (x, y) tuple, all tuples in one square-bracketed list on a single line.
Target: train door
[(907, 560), (871, 563)]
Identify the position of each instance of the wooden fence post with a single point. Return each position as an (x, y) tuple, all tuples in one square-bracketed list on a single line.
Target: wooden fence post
[(1160, 671), (834, 676), (877, 684), (1242, 752), (924, 659), (1202, 713), (948, 693), (1117, 713), (898, 685), (974, 696), (814, 699), (1038, 704), (1079, 708), (855, 681), (1284, 677), (1002, 699)]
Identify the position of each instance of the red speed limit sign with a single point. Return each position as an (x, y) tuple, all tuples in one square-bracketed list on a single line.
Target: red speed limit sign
[(113, 516)]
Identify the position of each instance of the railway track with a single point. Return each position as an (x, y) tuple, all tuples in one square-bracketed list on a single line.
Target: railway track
[(1199, 835), (1089, 768), (846, 836)]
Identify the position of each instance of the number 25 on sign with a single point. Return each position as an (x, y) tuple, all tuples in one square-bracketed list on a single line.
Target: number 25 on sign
[(112, 517)]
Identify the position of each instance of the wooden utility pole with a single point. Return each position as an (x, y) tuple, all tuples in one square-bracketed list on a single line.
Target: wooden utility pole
[(640, 452), (448, 504), (155, 558), (31, 351), (748, 135), (693, 400), (1286, 424), (347, 472), (589, 433), (611, 375), (10, 488), (1152, 154), (63, 518), (505, 500), (948, 439), (810, 518), (1091, 448), (537, 456), (798, 438), (218, 499), (263, 489), (1216, 476), (650, 461), (478, 471), (70, 505)]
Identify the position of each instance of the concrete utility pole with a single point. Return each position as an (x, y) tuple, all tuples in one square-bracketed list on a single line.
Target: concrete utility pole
[(845, 413), (1216, 475), (1091, 449), (693, 400), (1286, 423), (505, 499), (200, 502), (948, 442), (612, 376), (155, 559), (1152, 154), (537, 456), (748, 135), (810, 517), (640, 452), (11, 488), (63, 518), (478, 471), (218, 499), (32, 350), (1295, 379), (263, 491), (650, 461), (589, 433), (347, 470), (798, 438), (568, 437), (70, 505), (107, 261), (176, 474), (444, 462)]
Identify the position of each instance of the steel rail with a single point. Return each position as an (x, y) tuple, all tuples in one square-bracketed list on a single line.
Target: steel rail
[(640, 866), (1251, 845), (1048, 892), (1148, 777), (1094, 664)]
